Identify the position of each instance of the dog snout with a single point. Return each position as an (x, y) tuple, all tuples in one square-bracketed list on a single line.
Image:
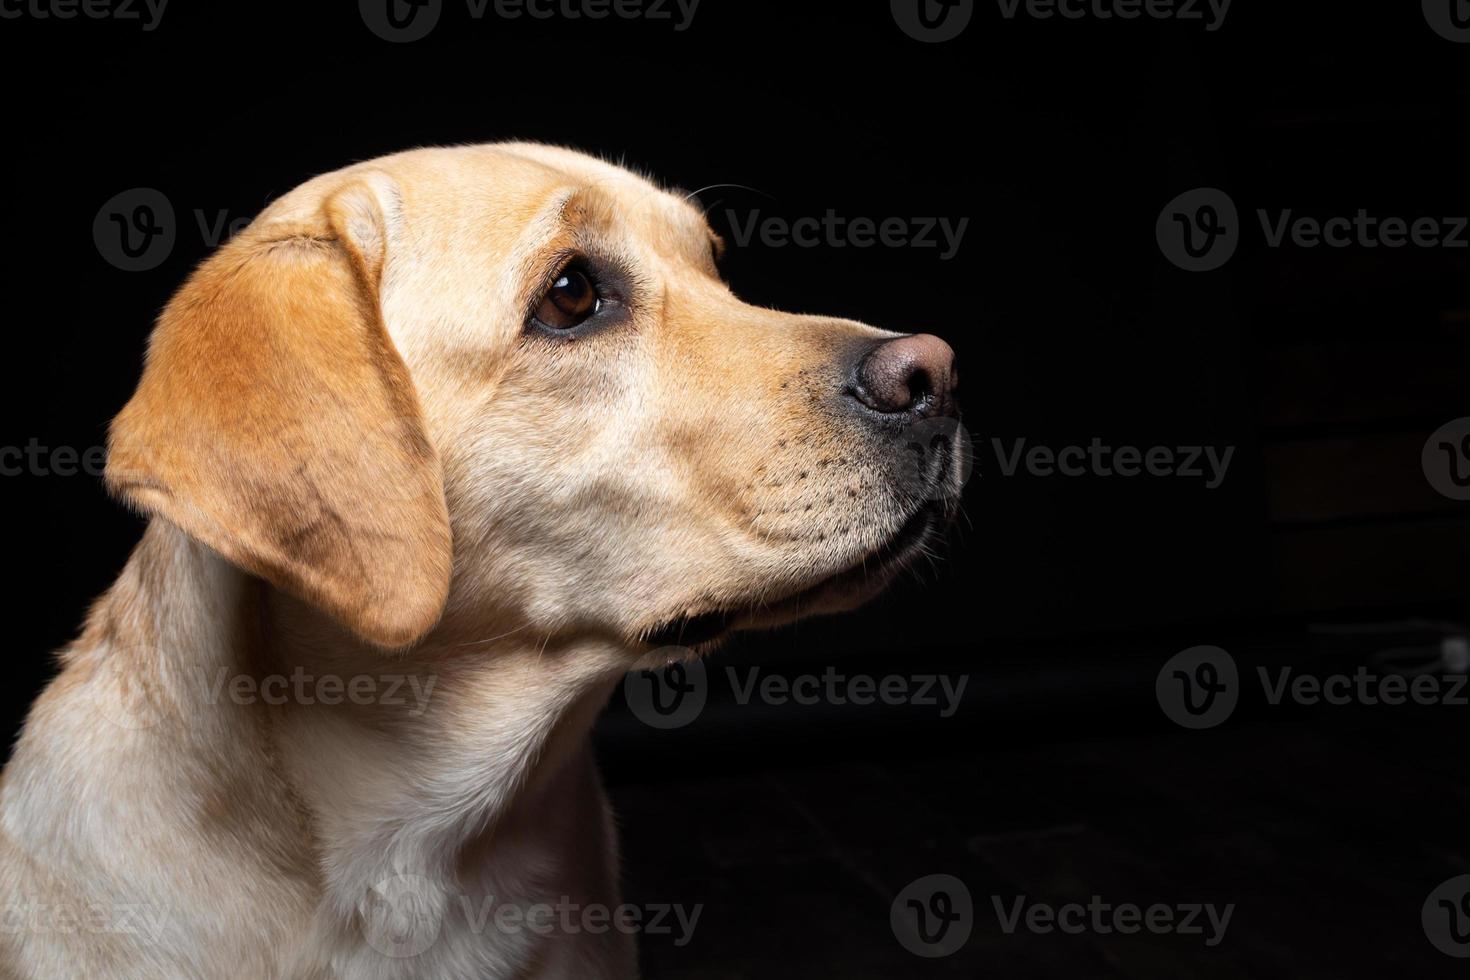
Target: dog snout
[(912, 376)]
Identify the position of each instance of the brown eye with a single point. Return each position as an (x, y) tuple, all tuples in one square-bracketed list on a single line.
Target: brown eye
[(571, 299)]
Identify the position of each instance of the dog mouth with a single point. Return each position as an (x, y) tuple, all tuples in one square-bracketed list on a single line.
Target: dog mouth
[(873, 571), (859, 581), (942, 459), (691, 631)]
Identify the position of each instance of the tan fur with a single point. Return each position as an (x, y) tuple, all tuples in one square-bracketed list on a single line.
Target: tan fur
[(331, 400), (273, 408)]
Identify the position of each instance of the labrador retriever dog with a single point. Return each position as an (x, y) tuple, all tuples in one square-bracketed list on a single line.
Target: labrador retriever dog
[(433, 454)]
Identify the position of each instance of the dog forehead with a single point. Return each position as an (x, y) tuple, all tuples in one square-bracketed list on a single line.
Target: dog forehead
[(602, 195), (487, 191)]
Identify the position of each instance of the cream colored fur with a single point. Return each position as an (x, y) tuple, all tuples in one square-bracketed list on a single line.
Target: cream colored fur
[(359, 464)]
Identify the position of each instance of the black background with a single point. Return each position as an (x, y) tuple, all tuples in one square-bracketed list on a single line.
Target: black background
[(1060, 141)]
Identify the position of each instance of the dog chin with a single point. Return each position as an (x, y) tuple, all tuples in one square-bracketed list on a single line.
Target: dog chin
[(861, 581)]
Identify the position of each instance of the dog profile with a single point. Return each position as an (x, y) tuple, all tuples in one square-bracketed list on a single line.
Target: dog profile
[(484, 425)]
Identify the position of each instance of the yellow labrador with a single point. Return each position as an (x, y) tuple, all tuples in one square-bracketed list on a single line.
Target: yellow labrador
[(435, 452)]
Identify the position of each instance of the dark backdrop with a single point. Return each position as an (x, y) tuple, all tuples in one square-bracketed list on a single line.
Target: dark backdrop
[(1060, 141)]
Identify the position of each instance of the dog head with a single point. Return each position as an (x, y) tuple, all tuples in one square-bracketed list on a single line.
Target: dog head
[(507, 383)]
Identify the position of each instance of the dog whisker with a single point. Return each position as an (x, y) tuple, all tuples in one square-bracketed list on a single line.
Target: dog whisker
[(475, 643)]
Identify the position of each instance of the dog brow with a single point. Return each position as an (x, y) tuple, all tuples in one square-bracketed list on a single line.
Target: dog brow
[(543, 236)]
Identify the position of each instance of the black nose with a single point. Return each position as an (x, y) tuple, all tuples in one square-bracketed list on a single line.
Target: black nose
[(914, 375)]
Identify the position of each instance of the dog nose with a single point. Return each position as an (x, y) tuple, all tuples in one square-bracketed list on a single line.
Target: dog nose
[(915, 373)]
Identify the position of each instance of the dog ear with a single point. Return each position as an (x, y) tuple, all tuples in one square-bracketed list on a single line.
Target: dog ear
[(276, 423)]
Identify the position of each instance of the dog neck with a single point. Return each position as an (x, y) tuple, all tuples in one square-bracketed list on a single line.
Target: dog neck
[(447, 756), (460, 767)]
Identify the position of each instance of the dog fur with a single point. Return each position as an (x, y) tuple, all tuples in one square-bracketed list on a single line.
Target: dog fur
[(357, 461)]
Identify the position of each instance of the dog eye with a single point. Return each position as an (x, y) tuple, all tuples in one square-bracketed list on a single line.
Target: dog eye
[(571, 300)]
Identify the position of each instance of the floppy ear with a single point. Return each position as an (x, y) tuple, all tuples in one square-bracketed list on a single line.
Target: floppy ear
[(276, 423)]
